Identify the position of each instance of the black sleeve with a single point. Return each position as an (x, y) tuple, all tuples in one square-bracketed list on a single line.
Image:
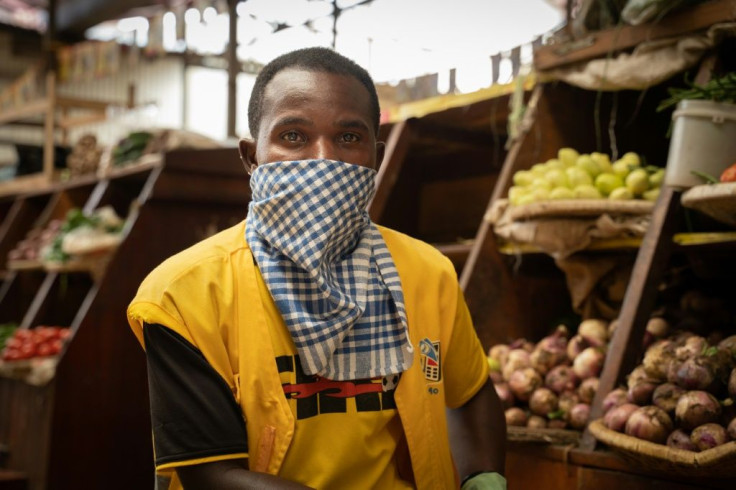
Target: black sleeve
[(193, 411)]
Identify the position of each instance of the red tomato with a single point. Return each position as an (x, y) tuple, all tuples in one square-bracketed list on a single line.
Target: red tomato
[(729, 175), (22, 334), (45, 349), (27, 350), (13, 343), (45, 333), (64, 333), (56, 346), (11, 355)]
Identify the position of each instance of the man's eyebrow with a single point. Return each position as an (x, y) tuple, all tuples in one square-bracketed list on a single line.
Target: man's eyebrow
[(352, 124), (293, 121)]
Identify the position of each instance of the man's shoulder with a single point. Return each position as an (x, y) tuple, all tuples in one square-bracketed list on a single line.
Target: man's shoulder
[(205, 258)]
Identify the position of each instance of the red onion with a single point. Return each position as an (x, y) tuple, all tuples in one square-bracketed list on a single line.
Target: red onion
[(561, 378), (500, 353), (566, 401), (504, 394), (658, 327), (595, 332), (695, 373), (649, 423), (732, 383), (589, 363), (692, 347), (615, 418), (658, 358), (515, 417), (517, 359), (665, 396), (522, 344), (729, 344), (523, 383), (681, 440), (641, 392), (536, 422), (557, 424), (614, 399), (731, 429), (696, 408), (575, 346), (495, 376), (587, 390), (579, 415), (708, 436), (543, 401)]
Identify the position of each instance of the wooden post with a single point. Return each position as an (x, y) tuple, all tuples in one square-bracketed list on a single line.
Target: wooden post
[(232, 70), (626, 347), (49, 126), (397, 147)]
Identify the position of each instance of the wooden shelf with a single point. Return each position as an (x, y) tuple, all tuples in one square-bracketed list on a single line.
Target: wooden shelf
[(601, 43)]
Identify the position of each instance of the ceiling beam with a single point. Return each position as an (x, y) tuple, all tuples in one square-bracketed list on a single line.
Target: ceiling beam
[(73, 17)]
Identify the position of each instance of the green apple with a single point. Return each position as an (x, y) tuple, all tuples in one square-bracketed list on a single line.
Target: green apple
[(603, 161), (577, 176), (523, 178), (632, 158), (587, 163), (515, 192), (540, 194), (541, 183), (651, 194), (622, 168), (539, 169), (526, 199), (655, 179), (556, 177), (637, 181), (561, 193), (587, 191), (568, 156), (555, 163), (606, 183), (621, 194)]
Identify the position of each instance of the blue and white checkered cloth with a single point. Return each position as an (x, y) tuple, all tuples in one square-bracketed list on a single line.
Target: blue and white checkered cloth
[(328, 269)]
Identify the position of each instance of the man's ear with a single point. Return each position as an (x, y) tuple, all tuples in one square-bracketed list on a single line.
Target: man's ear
[(247, 149), (380, 152)]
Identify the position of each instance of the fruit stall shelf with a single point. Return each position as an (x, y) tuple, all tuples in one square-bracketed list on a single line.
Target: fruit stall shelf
[(704, 240)]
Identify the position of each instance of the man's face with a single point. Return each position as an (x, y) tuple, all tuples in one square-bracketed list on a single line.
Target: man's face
[(315, 115)]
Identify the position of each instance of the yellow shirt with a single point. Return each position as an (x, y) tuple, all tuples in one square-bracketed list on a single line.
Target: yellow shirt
[(204, 294)]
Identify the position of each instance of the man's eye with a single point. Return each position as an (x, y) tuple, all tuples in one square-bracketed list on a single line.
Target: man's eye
[(291, 136), (350, 138)]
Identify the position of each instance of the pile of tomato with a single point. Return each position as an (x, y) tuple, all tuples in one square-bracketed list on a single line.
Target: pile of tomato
[(41, 341)]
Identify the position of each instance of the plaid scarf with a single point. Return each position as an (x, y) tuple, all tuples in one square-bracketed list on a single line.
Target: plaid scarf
[(328, 269)]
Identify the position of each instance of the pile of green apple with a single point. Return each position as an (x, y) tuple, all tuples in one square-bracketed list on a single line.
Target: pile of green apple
[(587, 176)]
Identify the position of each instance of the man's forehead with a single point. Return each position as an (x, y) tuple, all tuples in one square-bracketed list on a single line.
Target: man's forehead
[(293, 80)]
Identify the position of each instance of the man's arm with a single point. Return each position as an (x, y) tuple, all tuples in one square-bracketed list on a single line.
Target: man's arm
[(477, 433), (229, 475)]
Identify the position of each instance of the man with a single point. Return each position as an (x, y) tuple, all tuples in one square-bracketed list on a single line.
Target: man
[(307, 347)]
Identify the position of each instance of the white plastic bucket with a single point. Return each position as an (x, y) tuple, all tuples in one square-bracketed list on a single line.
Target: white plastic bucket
[(703, 139)]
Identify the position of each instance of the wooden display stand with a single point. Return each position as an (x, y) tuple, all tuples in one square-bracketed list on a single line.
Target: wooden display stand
[(90, 426), (523, 294)]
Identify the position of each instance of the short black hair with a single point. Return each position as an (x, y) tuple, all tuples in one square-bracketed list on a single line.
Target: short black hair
[(311, 59)]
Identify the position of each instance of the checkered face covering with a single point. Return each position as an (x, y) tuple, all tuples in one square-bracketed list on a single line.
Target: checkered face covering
[(328, 269)]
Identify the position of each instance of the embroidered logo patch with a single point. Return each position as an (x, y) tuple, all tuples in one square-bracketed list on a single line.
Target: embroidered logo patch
[(430, 358)]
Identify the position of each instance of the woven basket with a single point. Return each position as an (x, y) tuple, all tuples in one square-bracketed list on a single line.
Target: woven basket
[(578, 208), (717, 462), (716, 200)]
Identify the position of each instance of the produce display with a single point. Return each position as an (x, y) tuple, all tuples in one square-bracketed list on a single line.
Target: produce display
[(683, 393), (36, 241), (81, 234), (6, 332), (41, 341), (550, 384), (587, 176)]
